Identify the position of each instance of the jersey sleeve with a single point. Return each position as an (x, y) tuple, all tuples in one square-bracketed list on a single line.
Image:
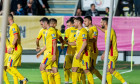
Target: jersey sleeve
[(53, 34), (58, 33), (15, 29), (39, 35), (67, 33), (84, 35), (95, 32)]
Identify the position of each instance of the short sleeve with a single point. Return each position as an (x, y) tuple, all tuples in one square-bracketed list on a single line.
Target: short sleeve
[(53, 34), (14, 30), (39, 35), (58, 33), (67, 33), (84, 35), (95, 33)]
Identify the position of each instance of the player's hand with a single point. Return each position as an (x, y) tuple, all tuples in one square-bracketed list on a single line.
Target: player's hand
[(10, 50), (54, 58), (78, 56), (43, 6), (38, 49), (38, 55), (102, 57), (62, 47)]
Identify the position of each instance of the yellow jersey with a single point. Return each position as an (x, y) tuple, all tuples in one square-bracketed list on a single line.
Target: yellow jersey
[(113, 41), (42, 35), (81, 35), (7, 45), (58, 34), (50, 36), (14, 29), (70, 34), (92, 33)]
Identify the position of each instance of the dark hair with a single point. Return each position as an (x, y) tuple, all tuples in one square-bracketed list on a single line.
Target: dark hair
[(105, 19), (10, 15), (44, 19), (53, 20), (71, 19), (79, 19), (89, 18), (68, 21), (107, 8), (92, 5)]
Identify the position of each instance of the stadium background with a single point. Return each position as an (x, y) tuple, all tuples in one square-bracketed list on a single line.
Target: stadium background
[(60, 9)]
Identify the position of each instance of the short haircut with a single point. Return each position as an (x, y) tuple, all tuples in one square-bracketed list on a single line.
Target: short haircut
[(79, 19), (53, 20), (89, 18), (11, 16), (92, 5), (107, 8), (71, 19), (44, 19), (105, 19), (68, 21)]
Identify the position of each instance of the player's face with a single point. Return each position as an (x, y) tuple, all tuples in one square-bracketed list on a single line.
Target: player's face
[(76, 23), (41, 23), (44, 25), (86, 22), (103, 24), (52, 24), (68, 24)]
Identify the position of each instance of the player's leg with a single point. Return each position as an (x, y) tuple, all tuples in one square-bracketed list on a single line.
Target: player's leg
[(67, 66), (86, 63), (15, 60), (43, 73), (83, 77), (94, 70), (5, 75), (111, 69), (56, 75), (75, 65)]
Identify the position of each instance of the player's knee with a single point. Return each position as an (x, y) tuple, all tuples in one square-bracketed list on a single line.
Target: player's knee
[(111, 70), (42, 67), (55, 70), (86, 71), (74, 69)]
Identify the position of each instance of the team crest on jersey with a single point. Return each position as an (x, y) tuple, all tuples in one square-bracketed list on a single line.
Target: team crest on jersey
[(13, 29), (83, 35), (53, 35)]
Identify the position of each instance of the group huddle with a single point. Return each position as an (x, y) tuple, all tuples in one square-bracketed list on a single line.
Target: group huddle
[(80, 59)]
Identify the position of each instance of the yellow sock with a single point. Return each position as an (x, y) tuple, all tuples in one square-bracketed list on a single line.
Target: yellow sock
[(15, 71), (74, 77), (57, 78), (5, 77), (15, 78), (52, 78), (90, 78), (44, 77), (109, 78), (70, 74), (83, 77), (118, 76), (66, 74), (48, 76), (79, 77), (97, 73)]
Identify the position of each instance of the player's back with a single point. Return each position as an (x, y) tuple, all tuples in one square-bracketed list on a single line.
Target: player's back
[(113, 41), (72, 34)]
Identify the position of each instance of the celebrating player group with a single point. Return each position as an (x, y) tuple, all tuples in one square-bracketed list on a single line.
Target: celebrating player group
[(80, 59)]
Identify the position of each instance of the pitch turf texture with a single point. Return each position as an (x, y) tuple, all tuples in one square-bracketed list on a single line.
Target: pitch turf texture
[(31, 71)]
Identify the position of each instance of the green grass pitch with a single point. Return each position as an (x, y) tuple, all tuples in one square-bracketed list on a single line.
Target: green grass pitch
[(34, 76)]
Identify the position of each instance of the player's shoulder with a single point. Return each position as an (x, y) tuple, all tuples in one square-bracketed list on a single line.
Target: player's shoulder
[(112, 31), (83, 30), (51, 29), (94, 28), (14, 25)]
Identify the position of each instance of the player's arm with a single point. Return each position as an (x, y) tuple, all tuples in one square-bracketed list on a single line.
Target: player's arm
[(72, 43), (12, 46), (37, 41), (103, 30), (81, 50), (38, 54), (54, 50)]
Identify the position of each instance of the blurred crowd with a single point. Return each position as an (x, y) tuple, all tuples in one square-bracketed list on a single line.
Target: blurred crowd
[(27, 7)]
